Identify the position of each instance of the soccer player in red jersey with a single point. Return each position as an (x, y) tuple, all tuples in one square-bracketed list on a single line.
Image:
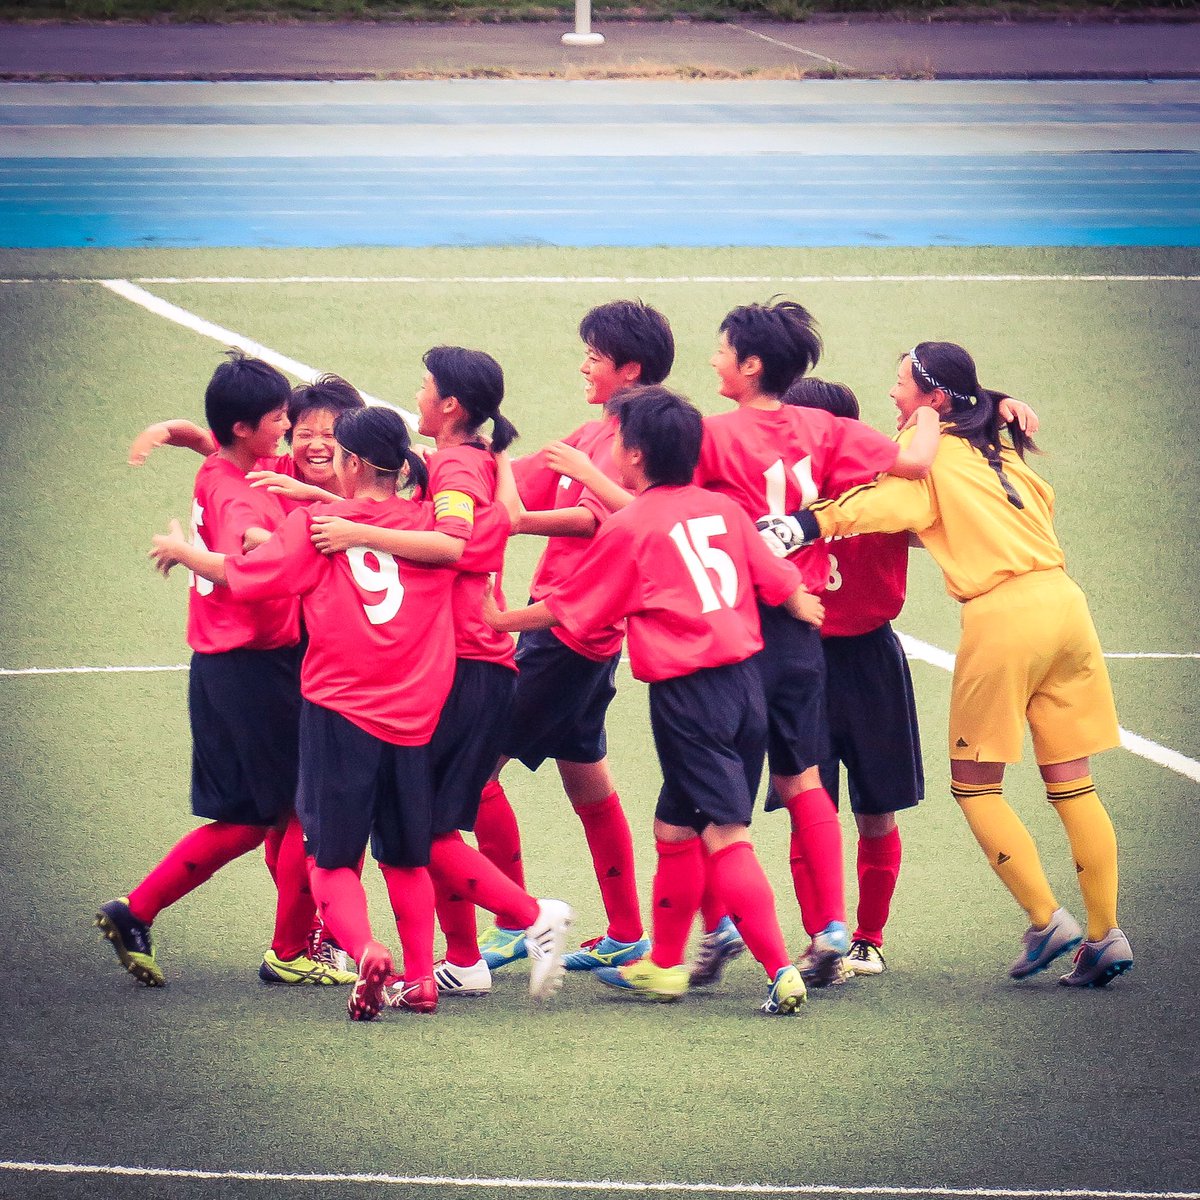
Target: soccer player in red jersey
[(682, 566), (243, 699), (566, 681), (461, 390), (302, 475), (379, 667), (770, 458), (872, 711)]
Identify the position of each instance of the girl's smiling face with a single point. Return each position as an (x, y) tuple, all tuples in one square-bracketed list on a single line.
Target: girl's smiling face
[(313, 445)]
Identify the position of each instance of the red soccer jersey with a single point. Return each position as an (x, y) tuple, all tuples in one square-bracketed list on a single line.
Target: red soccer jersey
[(542, 489), (470, 471), (381, 636), (868, 578), (282, 464), (224, 506), (686, 567), (774, 461)]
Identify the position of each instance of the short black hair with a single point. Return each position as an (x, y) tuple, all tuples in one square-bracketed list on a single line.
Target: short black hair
[(242, 389), (781, 334), (834, 398), (476, 381), (631, 331), (330, 393), (665, 427)]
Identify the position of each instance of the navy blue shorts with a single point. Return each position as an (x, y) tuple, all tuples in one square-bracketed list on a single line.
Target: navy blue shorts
[(355, 788), (792, 666), (466, 745), (710, 732), (873, 723), (560, 703), (244, 707)]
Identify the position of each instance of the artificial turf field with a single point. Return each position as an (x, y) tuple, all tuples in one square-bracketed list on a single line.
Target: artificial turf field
[(940, 1077)]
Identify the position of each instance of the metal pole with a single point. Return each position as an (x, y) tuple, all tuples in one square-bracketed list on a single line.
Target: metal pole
[(583, 35)]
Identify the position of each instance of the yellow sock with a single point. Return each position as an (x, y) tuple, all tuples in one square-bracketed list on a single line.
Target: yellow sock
[(1094, 846), (1009, 848)]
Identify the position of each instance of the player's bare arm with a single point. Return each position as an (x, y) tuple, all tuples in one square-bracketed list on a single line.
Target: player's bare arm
[(572, 462), (172, 549), (180, 432), (285, 485), (332, 534), (515, 620), (804, 606), (557, 522), (915, 459)]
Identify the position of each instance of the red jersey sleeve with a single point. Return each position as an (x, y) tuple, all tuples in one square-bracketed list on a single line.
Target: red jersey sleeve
[(460, 480), (854, 453), (287, 565), (605, 588)]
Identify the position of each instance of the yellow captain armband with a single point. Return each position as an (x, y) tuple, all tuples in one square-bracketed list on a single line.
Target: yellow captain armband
[(454, 504)]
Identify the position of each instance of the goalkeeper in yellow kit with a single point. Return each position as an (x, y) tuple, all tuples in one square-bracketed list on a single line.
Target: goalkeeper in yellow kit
[(1028, 653)]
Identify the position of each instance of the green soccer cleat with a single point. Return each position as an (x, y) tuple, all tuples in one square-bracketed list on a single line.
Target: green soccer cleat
[(131, 940), (302, 970), (787, 993), (605, 952), (499, 947), (646, 980)]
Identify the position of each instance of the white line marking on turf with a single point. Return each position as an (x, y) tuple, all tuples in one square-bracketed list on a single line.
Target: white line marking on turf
[(89, 670), (1162, 756), (605, 1185), (1152, 654), (621, 279), (227, 337)]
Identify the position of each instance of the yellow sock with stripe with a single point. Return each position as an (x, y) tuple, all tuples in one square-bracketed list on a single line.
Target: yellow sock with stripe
[(1009, 848), (1094, 847)]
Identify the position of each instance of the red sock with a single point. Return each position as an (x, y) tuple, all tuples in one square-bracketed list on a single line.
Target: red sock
[(342, 904), (817, 839), (712, 911), (456, 917), (878, 870), (497, 833), (802, 884), (294, 908), (678, 886), (271, 846), (410, 889), (194, 858), (460, 871), (611, 843), (739, 879)]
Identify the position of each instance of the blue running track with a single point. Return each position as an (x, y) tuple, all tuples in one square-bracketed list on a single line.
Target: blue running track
[(779, 164)]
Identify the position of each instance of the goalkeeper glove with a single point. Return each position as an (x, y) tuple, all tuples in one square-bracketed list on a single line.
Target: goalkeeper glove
[(783, 535)]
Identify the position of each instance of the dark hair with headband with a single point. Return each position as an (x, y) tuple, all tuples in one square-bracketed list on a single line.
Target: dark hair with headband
[(476, 381), (379, 436), (974, 412)]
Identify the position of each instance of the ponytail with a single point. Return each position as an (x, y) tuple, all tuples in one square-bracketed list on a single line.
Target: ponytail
[(974, 410), (476, 381)]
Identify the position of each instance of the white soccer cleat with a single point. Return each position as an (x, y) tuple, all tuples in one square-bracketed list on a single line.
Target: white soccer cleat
[(546, 942), (453, 980)]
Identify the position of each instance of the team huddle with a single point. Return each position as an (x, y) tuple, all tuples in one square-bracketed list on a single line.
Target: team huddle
[(354, 680)]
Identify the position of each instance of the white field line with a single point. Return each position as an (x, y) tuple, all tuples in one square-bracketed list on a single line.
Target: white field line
[(603, 1186), (618, 279), (227, 337), (7, 672), (1161, 756)]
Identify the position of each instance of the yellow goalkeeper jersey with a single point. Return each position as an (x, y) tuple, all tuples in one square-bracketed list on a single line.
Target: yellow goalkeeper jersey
[(962, 516)]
